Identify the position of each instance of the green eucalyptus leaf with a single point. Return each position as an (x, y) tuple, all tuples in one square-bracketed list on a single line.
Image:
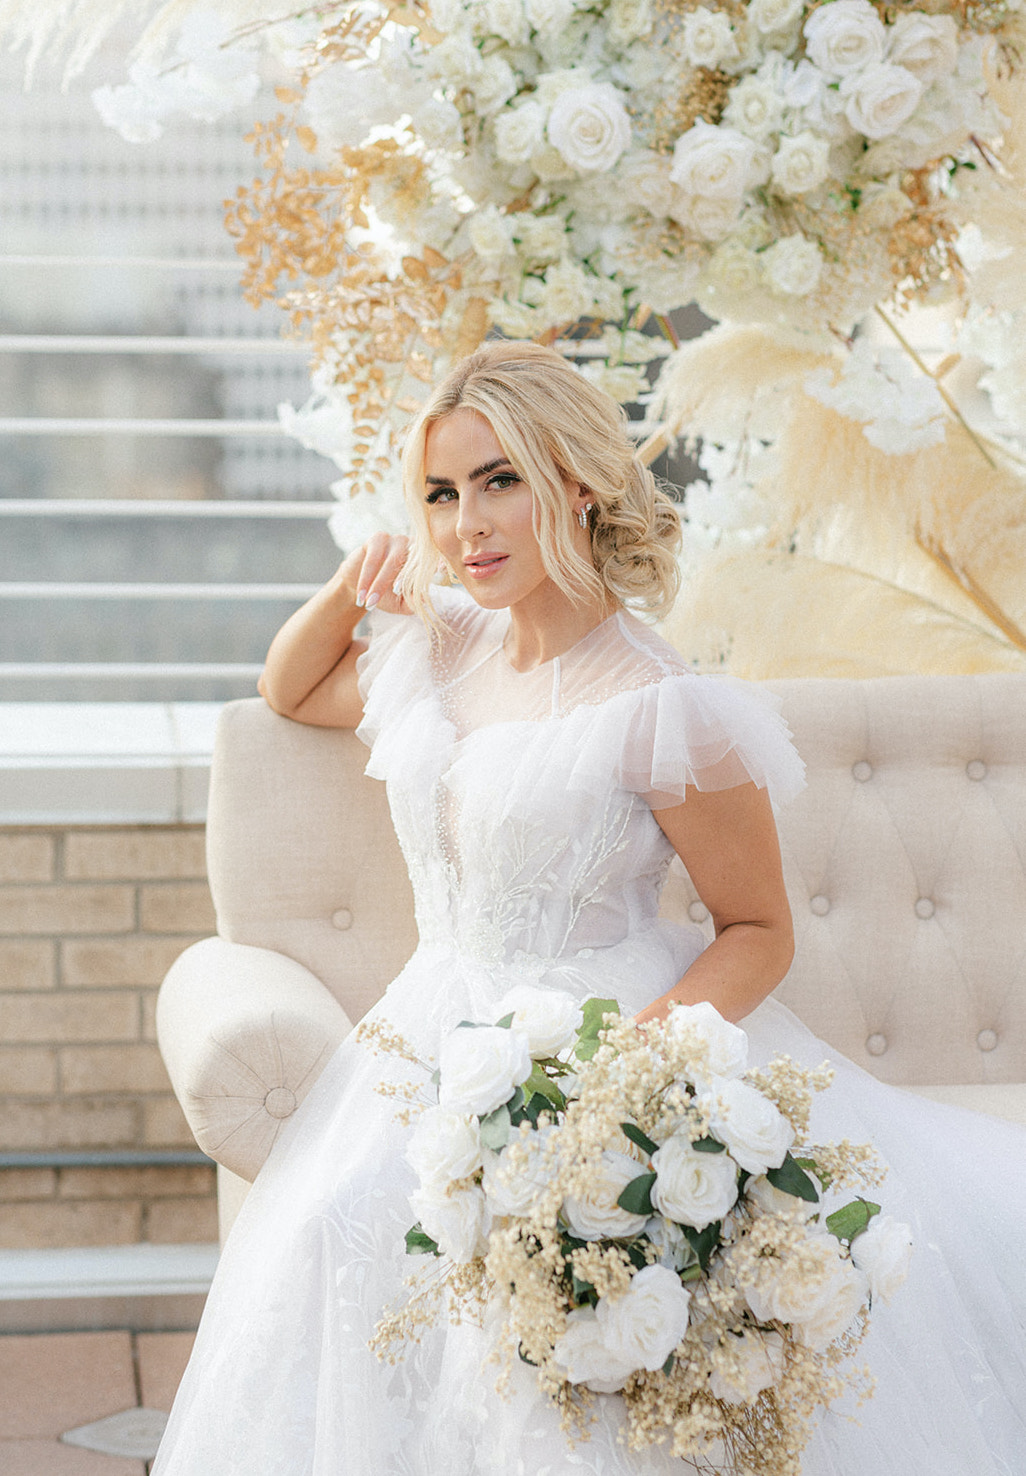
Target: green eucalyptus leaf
[(538, 1083), (668, 1365), (791, 1178), (636, 1198), (588, 1036), (703, 1242), (851, 1219), (632, 1131), (709, 1145), (496, 1128), (419, 1242), (506, 1022)]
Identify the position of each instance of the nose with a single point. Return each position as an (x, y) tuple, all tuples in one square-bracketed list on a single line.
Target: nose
[(471, 521)]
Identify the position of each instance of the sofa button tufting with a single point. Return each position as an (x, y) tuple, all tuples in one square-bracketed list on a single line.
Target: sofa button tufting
[(862, 771), (697, 911), (876, 1044), (976, 769), (280, 1102), (925, 908), (819, 904), (342, 919), (987, 1040)]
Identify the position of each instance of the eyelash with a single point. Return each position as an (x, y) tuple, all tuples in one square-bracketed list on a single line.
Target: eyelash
[(437, 493)]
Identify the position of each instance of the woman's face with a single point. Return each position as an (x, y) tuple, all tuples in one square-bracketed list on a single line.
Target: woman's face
[(480, 514)]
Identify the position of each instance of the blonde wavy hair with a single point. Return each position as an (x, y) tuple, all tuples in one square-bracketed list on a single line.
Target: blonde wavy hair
[(557, 429)]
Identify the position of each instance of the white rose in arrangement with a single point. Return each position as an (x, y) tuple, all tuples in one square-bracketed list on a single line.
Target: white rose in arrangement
[(818, 1291), (713, 161), (491, 233), (458, 1221), (925, 45), (754, 1129), (550, 1018), (540, 238), (770, 16), (644, 1326), (883, 1251), (792, 266), (624, 382), (708, 37), (344, 103), (582, 1354), (567, 294), (455, 61), (835, 1311), (448, 15), (707, 217), (515, 319), (735, 269), (438, 123), (444, 1146), (590, 126), (756, 1361), (597, 1214), (519, 133), (669, 1240), (514, 1182), (755, 107), (548, 17), (508, 19), (726, 1044), (766, 1199), (629, 20), (692, 1188), (645, 180), (494, 85), (800, 163), (479, 1068), (845, 36), (879, 99)]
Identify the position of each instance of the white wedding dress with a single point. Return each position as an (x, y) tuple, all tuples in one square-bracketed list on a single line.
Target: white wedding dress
[(523, 805)]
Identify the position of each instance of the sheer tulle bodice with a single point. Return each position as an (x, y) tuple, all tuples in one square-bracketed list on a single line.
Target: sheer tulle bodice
[(524, 806)]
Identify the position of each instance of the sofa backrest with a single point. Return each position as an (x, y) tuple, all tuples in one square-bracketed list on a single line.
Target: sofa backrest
[(905, 862)]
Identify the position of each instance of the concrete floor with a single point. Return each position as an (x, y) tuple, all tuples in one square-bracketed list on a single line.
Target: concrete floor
[(52, 1383)]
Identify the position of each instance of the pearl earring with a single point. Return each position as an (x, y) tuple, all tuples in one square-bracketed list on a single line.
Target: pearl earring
[(582, 513)]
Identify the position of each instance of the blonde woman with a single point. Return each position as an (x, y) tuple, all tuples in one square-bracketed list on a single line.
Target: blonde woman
[(546, 755)]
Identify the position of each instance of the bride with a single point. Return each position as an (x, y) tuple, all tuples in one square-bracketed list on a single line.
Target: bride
[(546, 755)]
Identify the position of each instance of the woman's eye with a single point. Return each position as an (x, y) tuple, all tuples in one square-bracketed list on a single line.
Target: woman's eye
[(503, 480), (441, 494)]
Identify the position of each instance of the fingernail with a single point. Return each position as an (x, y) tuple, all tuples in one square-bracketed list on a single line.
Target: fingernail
[(372, 600), (361, 598)]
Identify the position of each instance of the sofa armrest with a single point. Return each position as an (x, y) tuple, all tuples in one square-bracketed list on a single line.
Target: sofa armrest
[(244, 1033)]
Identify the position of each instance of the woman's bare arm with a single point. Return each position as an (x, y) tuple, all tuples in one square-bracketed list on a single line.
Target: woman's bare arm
[(727, 839), (310, 672)]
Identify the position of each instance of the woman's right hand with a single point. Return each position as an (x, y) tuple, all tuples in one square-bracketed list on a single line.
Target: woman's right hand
[(369, 573)]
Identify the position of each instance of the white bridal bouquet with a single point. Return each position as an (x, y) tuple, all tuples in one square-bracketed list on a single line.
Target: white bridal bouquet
[(644, 1210)]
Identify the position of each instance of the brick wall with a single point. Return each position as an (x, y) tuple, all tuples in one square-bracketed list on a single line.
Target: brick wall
[(91, 919)]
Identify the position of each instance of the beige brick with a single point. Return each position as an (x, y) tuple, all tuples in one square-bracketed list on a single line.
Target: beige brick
[(88, 963), (26, 856), (176, 907), (180, 1221), (28, 1071), (48, 1225), (175, 1181), (147, 1016), (164, 1124), (19, 1184), (145, 853), (27, 964), (89, 1123), (67, 909), (65, 1016), (127, 1068)]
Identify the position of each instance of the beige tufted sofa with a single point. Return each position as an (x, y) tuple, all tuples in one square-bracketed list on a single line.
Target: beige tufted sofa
[(905, 861)]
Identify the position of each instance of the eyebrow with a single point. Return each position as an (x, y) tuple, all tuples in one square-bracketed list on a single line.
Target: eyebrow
[(481, 471)]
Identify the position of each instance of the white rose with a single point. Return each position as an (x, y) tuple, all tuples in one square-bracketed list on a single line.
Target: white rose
[(590, 126), (708, 37), (455, 61), (925, 45), (767, 1199), (540, 238), (515, 319), (444, 1146), (845, 36), (792, 265), (519, 132), (458, 1222), (769, 16), (818, 1291), (644, 1326), (879, 99), (800, 163), (548, 17), (515, 1183), (645, 180), (628, 20), (713, 161), (670, 1241), (596, 1215), (582, 1354), (623, 382), (757, 1360), (438, 123), (480, 1067), (491, 233), (883, 1251), (550, 1018), (726, 1044), (710, 219), (494, 84), (508, 19), (692, 1188), (567, 294), (736, 270), (754, 1129), (755, 107)]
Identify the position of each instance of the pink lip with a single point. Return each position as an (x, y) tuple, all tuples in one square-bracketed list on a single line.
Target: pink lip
[(484, 564)]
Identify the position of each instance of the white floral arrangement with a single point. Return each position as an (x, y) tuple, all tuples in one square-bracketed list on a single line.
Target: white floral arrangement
[(642, 1211)]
